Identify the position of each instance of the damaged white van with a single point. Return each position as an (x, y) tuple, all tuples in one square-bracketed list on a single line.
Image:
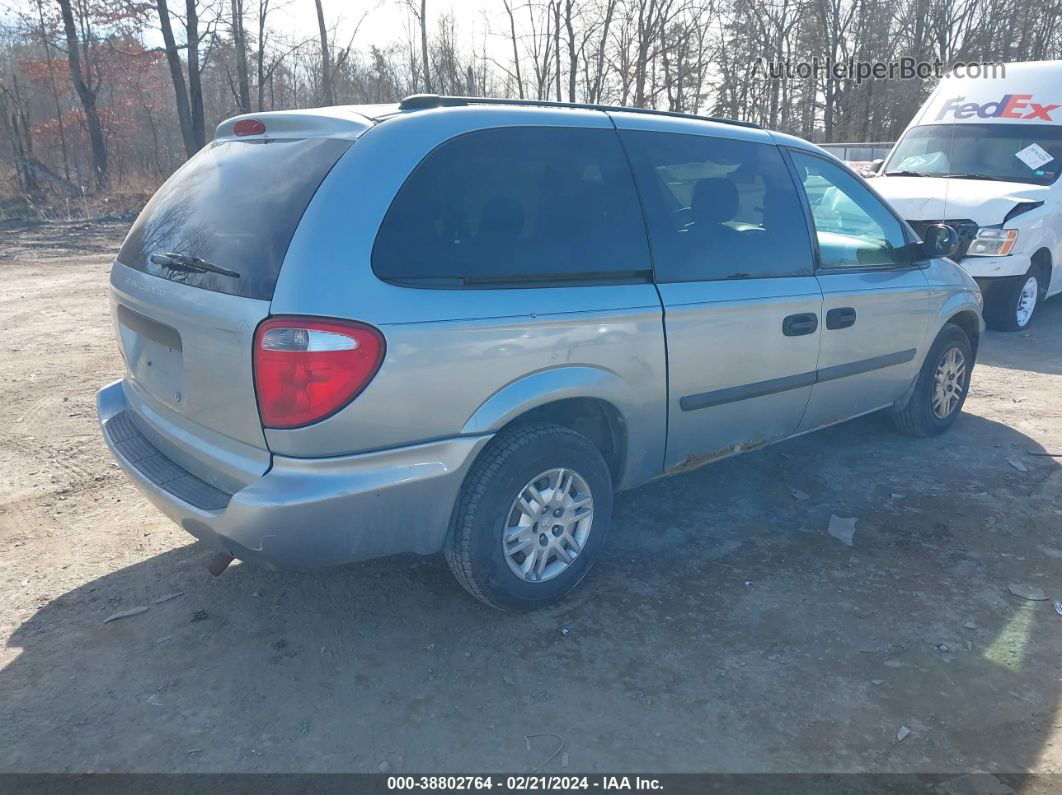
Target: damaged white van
[(983, 155)]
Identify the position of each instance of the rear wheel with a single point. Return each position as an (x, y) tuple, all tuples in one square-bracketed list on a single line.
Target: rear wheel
[(531, 518), (1011, 304), (941, 387)]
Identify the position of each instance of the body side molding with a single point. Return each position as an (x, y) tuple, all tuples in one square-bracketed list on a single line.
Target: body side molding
[(733, 394)]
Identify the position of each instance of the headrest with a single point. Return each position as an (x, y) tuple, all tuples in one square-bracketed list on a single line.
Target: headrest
[(715, 200)]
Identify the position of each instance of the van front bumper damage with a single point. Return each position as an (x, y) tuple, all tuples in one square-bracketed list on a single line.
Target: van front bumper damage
[(996, 267), (303, 512)]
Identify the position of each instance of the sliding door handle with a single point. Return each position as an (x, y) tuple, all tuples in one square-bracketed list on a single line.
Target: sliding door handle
[(798, 325), (841, 317)]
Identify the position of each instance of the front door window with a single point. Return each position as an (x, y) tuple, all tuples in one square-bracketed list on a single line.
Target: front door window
[(854, 228)]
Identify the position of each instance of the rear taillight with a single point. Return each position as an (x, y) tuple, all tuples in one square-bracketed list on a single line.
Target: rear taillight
[(306, 368)]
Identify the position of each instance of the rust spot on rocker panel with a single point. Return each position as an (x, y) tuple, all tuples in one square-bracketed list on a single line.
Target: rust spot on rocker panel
[(691, 462)]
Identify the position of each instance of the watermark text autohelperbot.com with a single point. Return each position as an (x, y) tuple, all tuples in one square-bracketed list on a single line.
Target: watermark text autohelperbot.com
[(906, 68)]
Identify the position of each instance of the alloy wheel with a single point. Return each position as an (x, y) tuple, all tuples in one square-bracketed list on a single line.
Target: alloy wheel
[(1030, 292), (948, 383), (548, 525)]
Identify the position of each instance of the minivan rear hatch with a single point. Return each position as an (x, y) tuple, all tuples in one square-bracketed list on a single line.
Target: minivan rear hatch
[(192, 281)]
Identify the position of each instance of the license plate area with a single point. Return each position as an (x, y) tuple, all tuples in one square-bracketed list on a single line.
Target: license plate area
[(154, 355)]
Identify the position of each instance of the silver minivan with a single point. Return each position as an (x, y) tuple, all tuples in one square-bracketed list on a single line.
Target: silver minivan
[(461, 325)]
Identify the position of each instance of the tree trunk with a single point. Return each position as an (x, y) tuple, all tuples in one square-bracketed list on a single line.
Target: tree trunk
[(180, 90), (12, 123), (516, 52), (24, 128), (599, 72), (86, 93), (573, 61), (55, 91), (328, 96), (263, 12), (424, 44), (641, 66), (239, 42), (557, 48), (195, 81)]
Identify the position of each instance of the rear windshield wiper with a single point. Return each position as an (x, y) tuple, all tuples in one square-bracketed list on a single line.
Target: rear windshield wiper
[(192, 264)]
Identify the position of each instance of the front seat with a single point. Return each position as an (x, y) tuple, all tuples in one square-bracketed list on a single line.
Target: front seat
[(715, 201)]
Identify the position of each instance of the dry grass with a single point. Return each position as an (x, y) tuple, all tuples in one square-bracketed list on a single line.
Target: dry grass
[(122, 201)]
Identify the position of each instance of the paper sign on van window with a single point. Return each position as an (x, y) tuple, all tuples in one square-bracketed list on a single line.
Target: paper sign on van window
[(1033, 156)]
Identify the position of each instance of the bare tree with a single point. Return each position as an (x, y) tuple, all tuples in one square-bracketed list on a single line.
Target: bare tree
[(328, 91), (100, 102), (180, 87), (597, 85), (14, 121), (239, 44), (420, 14), (516, 49), (87, 78), (60, 123), (573, 61), (195, 80), (540, 49)]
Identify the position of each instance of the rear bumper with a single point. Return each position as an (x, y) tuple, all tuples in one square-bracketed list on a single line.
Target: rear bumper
[(303, 513)]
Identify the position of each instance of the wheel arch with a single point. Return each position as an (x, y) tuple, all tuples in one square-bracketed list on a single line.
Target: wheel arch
[(959, 310), (1041, 258), (591, 401), (596, 419), (970, 322)]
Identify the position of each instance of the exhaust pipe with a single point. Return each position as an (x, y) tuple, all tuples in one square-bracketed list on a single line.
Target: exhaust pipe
[(219, 563)]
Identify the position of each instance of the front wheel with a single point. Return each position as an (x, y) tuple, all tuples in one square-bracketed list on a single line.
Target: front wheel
[(941, 388), (532, 517), (1010, 305)]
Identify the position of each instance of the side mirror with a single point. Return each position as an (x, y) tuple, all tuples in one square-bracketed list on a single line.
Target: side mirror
[(939, 240), (875, 166)]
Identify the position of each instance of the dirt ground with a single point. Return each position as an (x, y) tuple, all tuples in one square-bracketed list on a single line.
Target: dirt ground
[(723, 629)]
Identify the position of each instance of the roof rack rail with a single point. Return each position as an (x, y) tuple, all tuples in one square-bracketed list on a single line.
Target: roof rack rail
[(423, 101)]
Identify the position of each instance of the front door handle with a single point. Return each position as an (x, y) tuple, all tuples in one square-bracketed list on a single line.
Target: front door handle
[(798, 325), (841, 317)]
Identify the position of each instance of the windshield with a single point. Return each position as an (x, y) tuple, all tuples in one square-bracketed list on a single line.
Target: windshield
[(1012, 152), (224, 220)]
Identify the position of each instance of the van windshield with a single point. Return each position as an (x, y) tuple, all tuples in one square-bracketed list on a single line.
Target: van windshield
[(1029, 153), (224, 220)]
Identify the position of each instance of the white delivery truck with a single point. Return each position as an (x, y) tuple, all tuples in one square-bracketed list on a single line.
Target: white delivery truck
[(984, 155)]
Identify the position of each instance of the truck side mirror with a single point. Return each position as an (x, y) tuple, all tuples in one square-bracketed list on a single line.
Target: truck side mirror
[(875, 166), (939, 240)]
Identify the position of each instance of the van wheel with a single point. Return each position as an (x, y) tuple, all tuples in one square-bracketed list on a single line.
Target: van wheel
[(1010, 306), (531, 518), (941, 388)]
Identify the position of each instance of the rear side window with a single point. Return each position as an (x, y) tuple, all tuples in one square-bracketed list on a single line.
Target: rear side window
[(719, 208), (515, 204), (234, 205)]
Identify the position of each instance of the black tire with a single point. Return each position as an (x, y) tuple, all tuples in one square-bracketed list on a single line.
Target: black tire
[(917, 417), (1002, 301), (474, 548)]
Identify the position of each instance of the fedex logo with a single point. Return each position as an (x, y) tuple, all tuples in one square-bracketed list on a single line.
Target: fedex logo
[(1011, 106)]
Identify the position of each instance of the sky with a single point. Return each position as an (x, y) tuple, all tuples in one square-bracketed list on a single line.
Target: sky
[(385, 22)]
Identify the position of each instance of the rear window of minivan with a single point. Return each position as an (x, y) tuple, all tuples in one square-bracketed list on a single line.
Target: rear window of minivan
[(516, 204), (234, 205)]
